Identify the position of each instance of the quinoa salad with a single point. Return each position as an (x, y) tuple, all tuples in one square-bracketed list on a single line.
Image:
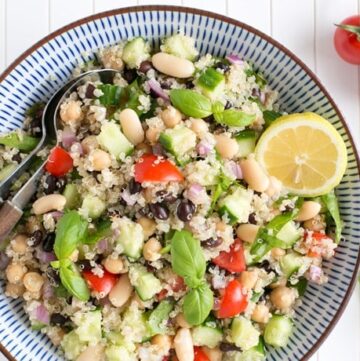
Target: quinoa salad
[(156, 232)]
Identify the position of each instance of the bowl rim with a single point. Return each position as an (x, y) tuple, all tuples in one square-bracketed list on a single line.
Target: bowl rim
[(253, 30)]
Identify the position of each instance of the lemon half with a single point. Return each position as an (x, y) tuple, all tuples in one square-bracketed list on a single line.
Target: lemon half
[(305, 152)]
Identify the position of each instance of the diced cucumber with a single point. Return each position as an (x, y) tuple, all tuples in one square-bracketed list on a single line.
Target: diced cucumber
[(256, 353), (290, 263), (159, 316), (244, 334), (113, 140), (131, 238), (178, 141), (72, 345), (21, 141), (237, 205), (246, 141), (119, 353), (145, 283), (180, 45), (134, 324), (278, 331), (7, 170), (206, 336), (211, 83), (93, 206), (289, 234), (72, 196), (89, 327), (135, 52)]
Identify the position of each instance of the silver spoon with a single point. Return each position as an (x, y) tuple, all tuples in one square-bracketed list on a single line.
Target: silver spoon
[(12, 210)]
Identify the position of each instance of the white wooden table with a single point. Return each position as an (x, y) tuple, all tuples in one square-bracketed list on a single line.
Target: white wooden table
[(305, 27)]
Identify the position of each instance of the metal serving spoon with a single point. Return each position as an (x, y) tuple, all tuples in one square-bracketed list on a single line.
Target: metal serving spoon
[(12, 210)]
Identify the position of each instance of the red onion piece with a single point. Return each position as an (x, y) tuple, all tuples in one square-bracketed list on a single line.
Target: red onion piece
[(235, 169), (68, 137), (102, 245), (203, 148), (47, 290), (235, 59), (128, 198), (77, 148), (314, 274), (196, 193), (156, 88), (262, 97), (42, 314), (4, 260), (44, 257), (56, 215)]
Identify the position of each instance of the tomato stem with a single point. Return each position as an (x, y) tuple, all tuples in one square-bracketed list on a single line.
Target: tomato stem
[(351, 29)]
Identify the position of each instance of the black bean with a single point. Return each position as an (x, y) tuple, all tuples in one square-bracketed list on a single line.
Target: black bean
[(53, 183), (158, 149), (226, 347), (36, 237), (35, 126), (166, 196), (252, 218), (189, 84), (165, 85), (212, 242), (134, 187), (185, 210), (222, 66), (129, 75), (53, 276), (159, 211), (289, 208), (57, 319), (48, 243), (266, 266), (209, 119), (228, 105), (84, 265), (90, 91), (16, 158), (145, 66)]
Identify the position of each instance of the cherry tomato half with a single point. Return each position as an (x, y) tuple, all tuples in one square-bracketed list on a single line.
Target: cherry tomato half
[(234, 260), (151, 168), (234, 300), (59, 162), (102, 284), (347, 39), (200, 355)]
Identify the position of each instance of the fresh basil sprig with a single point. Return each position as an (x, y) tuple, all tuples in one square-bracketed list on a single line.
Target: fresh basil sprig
[(189, 262), (103, 229), (332, 206), (234, 118)]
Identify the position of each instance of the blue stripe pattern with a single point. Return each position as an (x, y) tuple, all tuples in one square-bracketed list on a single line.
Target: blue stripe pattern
[(38, 76)]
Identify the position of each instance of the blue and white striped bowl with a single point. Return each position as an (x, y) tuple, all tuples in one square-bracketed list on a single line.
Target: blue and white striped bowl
[(47, 65)]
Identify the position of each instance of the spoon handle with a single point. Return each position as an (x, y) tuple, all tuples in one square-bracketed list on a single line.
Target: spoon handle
[(9, 216)]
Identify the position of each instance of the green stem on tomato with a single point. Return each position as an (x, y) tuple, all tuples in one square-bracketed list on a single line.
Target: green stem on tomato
[(351, 29)]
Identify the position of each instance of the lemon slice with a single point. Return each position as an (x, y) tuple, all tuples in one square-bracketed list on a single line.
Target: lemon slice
[(305, 152)]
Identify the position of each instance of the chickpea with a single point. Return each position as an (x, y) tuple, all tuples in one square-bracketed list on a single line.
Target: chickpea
[(199, 127), (183, 345), (33, 282), (114, 265), (14, 290), (19, 244), (220, 226), (247, 232), (89, 143), (248, 279), (283, 297), (152, 135), (148, 225), (151, 250), (100, 160), (181, 322), (15, 272), (227, 147), (28, 296), (261, 314), (316, 224), (163, 343), (121, 292), (214, 354), (70, 111), (111, 60), (277, 253), (171, 117), (56, 335)]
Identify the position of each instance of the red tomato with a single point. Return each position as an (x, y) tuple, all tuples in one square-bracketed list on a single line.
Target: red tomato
[(234, 300), (200, 355), (347, 39), (59, 162), (151, 168), (102, 284), (317, 238), (234, 260)]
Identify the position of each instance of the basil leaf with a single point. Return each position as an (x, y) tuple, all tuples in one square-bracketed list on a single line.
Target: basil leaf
[(259, 78), (70, 231), (71, 279), (191, 103), (103, 230), (35, 111), (187, 258), (159, 316), (24, 143), (198, 304), (111, 94), (223, 184), (270, 116), (332, 206), (130, 97), (234, 118), (301, 286)]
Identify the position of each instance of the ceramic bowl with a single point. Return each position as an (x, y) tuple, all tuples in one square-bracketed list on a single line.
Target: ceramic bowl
[(41, 70)]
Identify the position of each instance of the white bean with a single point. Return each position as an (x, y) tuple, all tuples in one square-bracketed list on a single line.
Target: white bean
[(247, 232), (121, 292), (227, 147), (92, 353), (181, 322), (248, 279), (163, 343), (171, 117), (308, 210), (114, 265), (131, 126), (183, 345), (274, 187), (254, 175), (172, 65), (49, 203)]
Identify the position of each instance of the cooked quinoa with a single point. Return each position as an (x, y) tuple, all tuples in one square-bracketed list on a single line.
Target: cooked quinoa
[(158, 246)]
